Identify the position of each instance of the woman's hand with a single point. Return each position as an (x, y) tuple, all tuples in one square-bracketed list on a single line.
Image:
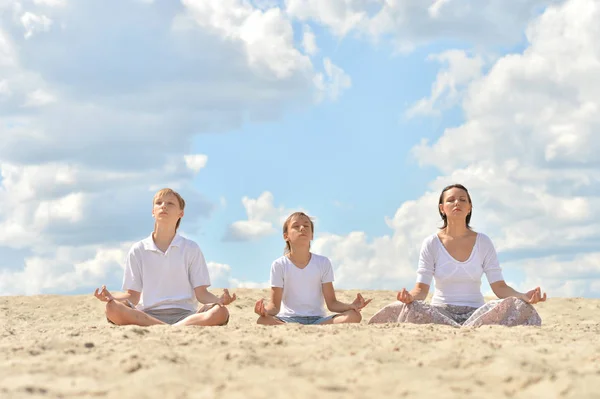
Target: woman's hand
[(534, 296), (405, 296)]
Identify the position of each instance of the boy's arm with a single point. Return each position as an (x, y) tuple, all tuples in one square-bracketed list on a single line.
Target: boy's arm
[(204, 297)]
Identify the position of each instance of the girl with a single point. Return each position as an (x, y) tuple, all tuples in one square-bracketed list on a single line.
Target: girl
[(302, 281), (456, 258), (165, 277)]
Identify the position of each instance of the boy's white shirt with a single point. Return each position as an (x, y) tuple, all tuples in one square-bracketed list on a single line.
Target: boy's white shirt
[(166, 280), (302, 288)]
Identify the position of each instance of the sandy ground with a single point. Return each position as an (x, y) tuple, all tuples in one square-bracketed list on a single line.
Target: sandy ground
[(61, 346)]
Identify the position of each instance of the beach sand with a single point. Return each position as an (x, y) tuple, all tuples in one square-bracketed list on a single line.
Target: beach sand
[(62, 346)]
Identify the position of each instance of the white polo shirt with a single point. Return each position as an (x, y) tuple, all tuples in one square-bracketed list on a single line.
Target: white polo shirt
[(302, 288), (166, 280)]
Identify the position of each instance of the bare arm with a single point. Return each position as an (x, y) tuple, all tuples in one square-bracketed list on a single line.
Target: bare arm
[(203, 296), (105, 296), (503, 290), (331, 301), (419, 293), (340, 307), (272, 308)]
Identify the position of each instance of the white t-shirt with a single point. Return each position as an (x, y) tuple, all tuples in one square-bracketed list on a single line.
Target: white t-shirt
[(458, 283), (166, 280), (302, 288)]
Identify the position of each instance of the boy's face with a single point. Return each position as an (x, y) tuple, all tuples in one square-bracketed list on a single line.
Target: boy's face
[(166, 209)]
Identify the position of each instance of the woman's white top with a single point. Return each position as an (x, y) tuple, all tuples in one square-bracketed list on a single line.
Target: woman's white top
[(458, 283)]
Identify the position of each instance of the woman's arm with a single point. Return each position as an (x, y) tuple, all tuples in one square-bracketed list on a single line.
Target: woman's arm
[(503, 290)]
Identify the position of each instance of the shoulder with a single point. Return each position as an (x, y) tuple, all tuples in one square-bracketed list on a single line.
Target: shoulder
[(484, 239), (321, 260), (281, 261), (430, 240), (141, 245), (186, 244)]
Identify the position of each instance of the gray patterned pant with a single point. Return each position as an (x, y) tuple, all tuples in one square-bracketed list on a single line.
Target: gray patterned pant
[(506, 312)]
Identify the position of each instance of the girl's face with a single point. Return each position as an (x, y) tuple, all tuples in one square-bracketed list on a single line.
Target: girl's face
[(455, 204), (167, 209), (299, 229)]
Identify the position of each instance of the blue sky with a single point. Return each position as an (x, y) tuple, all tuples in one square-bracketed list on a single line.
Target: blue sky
[(356, 111)]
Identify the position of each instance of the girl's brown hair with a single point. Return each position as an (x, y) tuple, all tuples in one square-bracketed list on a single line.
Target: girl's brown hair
[(288, 248), (167, 191)]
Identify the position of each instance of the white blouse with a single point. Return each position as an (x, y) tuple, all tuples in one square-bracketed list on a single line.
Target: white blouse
[(458, 283)]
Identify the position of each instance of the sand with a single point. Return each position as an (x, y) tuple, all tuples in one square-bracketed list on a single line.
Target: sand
[(61, 346)]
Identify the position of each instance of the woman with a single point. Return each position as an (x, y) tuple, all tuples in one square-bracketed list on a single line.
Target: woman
[(456, 257)]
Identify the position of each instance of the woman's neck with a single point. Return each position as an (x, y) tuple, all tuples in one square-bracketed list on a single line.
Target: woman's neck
[(456, 229)]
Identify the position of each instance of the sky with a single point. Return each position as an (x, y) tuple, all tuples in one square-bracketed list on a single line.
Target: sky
[(357, 112)]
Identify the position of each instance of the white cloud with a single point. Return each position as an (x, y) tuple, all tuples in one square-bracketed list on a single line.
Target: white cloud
[(39, 98), (220, 276), (51, 3), (264, 219), (525, 151), (340, 15), (267, 35), (309, 41), (460, 69), (195, 162), (333, 82), (410, 23), (35, 23)]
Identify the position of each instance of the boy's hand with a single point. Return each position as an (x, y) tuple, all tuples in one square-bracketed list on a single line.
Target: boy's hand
[(359, 303), (226, 299), (103, 294)]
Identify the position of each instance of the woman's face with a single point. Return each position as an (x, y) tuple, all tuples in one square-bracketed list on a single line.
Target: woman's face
[(455, 204)]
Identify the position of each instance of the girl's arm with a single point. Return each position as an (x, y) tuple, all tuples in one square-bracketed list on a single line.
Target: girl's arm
[(340, 307), (272, 307)]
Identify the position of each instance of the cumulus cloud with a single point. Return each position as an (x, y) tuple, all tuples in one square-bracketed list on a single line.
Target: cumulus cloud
[(332, 83), (85, 144), (460, 68), (525, 151), (264, 219), (309, 41), (410, 23)]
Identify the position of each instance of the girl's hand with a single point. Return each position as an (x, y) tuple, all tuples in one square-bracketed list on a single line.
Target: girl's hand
[(405, 296), (359, 303), (226, 299), (534, 296), (103, 294), (259, 308)]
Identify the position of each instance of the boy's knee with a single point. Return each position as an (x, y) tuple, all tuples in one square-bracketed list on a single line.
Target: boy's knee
[(221, 315), (113, 312), (354, 317)]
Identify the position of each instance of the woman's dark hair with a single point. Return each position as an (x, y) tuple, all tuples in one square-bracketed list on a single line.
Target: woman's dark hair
[(443, 216)]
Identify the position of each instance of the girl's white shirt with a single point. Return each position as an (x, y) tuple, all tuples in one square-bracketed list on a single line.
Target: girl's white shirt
[(302, 288)]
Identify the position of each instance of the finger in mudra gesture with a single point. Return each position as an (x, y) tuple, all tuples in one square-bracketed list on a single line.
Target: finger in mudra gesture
[(226, 298), (534, 296), (259, 308), (405, 297), (103, 294), (360, 302)]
